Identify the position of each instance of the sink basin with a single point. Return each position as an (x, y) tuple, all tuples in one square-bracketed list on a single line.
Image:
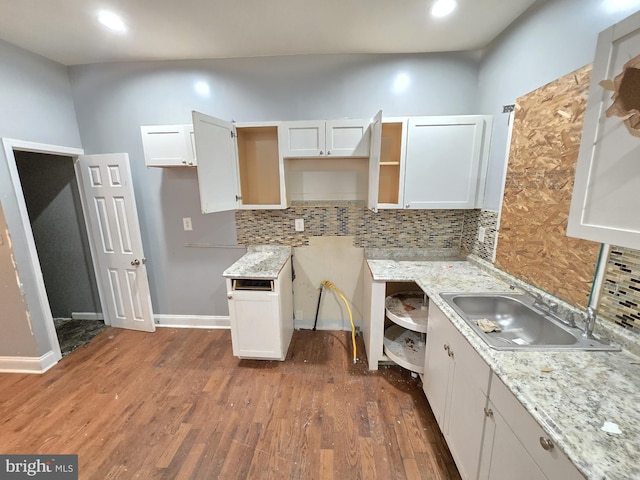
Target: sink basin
[(522, 327)]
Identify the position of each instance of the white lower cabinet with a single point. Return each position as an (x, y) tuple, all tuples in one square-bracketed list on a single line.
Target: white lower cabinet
[(490, 434), (456, 383), (515, 446), (503, 456), (261, 316)]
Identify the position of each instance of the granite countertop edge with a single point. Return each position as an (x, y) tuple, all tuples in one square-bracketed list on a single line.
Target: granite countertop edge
[(555, 387), (260, 262)]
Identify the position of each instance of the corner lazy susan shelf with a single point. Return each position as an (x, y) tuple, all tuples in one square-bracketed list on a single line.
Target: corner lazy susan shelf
[(405, 341)]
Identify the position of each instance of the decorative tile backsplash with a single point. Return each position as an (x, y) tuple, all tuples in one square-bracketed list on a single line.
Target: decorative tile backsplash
[(620, 296), (474, 219), (387, 228)]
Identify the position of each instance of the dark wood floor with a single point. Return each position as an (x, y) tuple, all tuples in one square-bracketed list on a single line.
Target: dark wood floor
[(175, 404)]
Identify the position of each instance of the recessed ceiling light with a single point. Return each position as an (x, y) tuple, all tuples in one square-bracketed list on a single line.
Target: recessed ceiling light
[(442, 8), (112, 21)]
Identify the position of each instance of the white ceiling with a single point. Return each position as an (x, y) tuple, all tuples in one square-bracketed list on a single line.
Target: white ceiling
[(67, 31)]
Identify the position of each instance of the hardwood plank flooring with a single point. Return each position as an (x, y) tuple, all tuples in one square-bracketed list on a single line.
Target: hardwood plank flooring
[(175, 404)]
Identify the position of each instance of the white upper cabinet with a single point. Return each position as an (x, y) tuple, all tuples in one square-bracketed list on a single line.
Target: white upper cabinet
[(432, 162), (239, 165), (446, 161), (320, 138), (606, 192), (168, 146)]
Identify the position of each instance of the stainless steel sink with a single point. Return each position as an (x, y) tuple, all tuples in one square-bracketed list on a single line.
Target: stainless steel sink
[(522, 326)]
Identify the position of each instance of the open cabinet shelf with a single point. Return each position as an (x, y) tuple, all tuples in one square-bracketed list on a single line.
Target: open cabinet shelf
[(259, 165)]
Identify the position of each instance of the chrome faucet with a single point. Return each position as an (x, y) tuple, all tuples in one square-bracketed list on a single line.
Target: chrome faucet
[(589, 323), (550, 307)]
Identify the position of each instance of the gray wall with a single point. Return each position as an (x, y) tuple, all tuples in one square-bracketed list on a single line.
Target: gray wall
[(36, 106), (113, 100), (53, 201), (553, 38)]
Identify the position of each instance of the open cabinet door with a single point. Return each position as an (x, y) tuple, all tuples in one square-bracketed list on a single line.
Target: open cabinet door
[(114, 236), (216, 151), (374, 161)]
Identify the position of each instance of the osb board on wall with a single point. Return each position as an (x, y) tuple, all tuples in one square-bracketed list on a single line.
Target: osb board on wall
[(532, 241)]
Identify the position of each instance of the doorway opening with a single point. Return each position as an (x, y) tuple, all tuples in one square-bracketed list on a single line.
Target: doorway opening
[(52, 199)]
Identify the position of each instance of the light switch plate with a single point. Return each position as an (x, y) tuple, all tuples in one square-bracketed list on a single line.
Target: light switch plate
[(299, 223), (186, 223)]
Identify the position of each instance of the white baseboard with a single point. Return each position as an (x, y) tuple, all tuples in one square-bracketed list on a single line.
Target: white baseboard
[(192, 321), (28, 364), (324, 324), (87, 316)]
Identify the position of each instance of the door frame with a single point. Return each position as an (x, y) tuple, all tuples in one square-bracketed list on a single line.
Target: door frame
[(9, 146)]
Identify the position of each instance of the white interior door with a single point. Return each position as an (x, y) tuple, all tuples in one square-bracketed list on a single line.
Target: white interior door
[(114, 235)]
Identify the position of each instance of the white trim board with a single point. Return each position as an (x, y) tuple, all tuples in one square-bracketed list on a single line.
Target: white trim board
[(28, 364), (192, 321)]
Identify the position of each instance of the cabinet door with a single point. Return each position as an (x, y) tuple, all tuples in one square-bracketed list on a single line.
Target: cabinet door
[(438, 364), (167, 146), (217, 163), (374, 161), (255, 324), (465, 417), (303, 139), (444, 160), (606, 191), (347, 138), (504, 457)]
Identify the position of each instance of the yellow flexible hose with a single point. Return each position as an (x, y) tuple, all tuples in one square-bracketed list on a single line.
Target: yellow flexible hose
[(330, 285)]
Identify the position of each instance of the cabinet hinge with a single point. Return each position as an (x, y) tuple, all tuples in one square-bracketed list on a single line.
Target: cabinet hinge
[(238, 198), (233, 134)]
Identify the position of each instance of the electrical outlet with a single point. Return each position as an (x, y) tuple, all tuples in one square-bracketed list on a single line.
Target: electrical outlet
[(481, 232), (186, 223), (299, 224), (299, 314)]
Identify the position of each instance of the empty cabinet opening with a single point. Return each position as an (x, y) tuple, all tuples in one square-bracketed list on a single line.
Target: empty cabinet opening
[(390, 161), (258, 162), (253, 284), (327, 179)]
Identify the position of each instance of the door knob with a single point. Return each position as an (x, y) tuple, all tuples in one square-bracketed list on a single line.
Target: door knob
[(135, 262)]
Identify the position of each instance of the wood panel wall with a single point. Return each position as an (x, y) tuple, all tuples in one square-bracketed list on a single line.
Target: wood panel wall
[(532, 241)]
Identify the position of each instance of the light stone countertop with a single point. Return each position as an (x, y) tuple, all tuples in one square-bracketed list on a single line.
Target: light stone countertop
[(573, 400), (261, 262)]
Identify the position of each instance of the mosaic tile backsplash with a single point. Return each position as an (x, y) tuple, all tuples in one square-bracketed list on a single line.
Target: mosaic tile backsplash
[(387, 228), (474, 219), (620, 296)]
